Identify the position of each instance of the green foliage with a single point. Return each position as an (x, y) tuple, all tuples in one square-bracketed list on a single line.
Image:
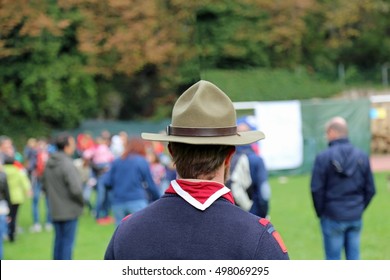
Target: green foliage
[(271, 84), (44, 79), (64, 61), (229, 33), (20, 129)]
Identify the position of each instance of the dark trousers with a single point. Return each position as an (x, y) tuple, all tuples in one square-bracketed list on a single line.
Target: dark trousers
[(13, 213), (65, 233)]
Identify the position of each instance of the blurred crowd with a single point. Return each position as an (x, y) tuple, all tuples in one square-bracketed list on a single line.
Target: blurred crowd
[(120, 175)]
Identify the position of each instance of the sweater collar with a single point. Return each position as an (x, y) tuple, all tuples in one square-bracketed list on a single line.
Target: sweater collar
[(200, 194)]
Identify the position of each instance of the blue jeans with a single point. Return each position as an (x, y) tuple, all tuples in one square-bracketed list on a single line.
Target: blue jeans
[(65, 233), (87, 191), (37, 189), (121, 210), (3, 231), (103, 199), (341, 234)]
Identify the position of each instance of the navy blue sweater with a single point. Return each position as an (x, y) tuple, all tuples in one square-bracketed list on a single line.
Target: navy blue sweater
[(171, 228), (342, 184)]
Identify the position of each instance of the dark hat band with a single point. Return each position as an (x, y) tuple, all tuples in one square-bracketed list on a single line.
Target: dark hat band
[(201, 132)]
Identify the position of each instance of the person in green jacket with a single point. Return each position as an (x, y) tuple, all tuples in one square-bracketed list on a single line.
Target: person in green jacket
[(19, 190), (4, 207)]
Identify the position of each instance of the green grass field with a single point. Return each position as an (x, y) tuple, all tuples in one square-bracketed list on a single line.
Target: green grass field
[(291, 213)]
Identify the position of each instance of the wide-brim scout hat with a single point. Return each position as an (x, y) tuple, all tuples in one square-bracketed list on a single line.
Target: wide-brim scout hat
[(204, 115)]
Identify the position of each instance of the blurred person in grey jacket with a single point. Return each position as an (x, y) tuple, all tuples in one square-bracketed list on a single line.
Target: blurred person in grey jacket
[(63, 186)]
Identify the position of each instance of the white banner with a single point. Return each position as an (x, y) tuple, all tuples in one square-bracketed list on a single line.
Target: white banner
[(281, 122)]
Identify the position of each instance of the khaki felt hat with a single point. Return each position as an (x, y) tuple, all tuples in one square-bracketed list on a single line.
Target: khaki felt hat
[(204, 115)]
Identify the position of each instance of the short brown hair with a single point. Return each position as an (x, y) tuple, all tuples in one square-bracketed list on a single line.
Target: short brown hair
[(196, 161)]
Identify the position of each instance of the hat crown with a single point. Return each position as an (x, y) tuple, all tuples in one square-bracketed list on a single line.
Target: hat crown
[(203, 105), (204, 115)]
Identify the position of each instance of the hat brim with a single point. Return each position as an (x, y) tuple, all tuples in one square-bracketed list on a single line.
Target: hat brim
[(241, 138)]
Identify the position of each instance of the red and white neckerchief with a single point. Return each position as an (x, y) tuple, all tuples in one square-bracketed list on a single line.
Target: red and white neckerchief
[(200, 194)]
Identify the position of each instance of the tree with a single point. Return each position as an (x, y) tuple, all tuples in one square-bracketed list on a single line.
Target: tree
[(65, 57), (42, 74), (141, 45), (252, 33), (353, 33), (66, 60)]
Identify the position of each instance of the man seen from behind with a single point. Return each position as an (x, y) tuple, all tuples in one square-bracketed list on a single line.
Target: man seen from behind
[(342, 187), (196, 218), (63, 186)]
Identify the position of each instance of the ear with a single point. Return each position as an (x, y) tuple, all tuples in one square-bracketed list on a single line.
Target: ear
[(331, 134), (170, 149), (230, 155)]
